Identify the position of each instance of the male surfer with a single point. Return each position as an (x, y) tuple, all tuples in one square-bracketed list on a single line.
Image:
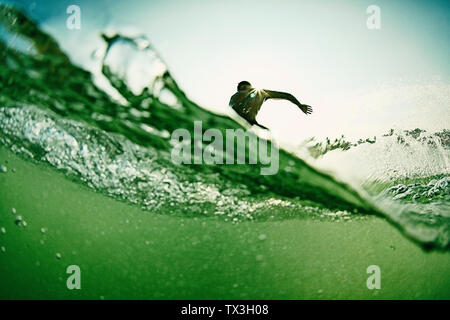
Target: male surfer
[(247, 101)]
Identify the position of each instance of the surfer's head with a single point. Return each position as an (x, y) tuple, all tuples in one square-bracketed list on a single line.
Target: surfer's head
[(244, 85)]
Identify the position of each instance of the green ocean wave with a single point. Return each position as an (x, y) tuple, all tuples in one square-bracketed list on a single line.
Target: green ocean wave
[(51, 111)]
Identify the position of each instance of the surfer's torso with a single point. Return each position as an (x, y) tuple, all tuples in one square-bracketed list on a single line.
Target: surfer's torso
[(248, 102)]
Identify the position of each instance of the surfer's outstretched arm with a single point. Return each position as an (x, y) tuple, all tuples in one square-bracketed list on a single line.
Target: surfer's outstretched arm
[(287, 96)]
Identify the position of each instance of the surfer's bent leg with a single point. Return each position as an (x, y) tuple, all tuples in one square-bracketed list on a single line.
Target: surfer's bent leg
[(257, 124)]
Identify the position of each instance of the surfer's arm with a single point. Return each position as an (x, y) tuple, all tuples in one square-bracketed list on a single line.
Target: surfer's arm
[(287, 96), (231, 103)]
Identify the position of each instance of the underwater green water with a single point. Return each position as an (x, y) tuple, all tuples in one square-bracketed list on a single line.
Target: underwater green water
[(128, 253)]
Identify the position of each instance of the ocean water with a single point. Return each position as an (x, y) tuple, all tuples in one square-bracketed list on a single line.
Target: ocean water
[(117, 142)]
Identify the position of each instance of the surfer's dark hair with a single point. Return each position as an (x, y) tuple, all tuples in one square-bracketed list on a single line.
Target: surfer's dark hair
[(243, 84)]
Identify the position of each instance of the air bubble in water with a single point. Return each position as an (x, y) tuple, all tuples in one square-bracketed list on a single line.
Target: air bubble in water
[(18, 220)]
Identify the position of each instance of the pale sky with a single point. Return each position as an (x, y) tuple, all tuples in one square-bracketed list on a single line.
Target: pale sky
[(360, 82)]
